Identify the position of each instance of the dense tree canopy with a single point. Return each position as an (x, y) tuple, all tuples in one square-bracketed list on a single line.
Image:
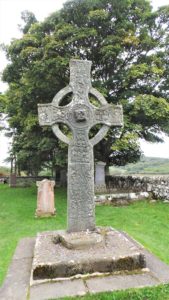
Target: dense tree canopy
[(128, 46), (2, 109)]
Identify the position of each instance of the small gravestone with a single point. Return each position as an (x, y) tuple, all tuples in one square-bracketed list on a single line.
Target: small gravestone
[(63, 177), (45, 198), (100, 184), (12, 180)]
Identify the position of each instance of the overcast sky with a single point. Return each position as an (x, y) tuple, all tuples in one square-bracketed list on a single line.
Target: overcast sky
[(10, 12)]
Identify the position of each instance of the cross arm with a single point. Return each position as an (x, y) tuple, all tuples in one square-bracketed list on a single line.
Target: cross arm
[(45, 114), (50, 114), (110, 115)]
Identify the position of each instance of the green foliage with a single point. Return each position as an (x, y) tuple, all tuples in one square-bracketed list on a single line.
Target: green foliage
[(128, 46), (152, 113), (29, 19), (126, 149), (2, 110), (2, 102)]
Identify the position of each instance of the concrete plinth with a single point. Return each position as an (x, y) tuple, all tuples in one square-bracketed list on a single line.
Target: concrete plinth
[(62, 255), (17, 283)]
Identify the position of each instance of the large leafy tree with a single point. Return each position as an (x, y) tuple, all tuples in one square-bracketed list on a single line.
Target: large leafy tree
[(128, 46), (2, 107)]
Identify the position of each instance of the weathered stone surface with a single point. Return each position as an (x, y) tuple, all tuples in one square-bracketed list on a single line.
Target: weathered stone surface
[(120, 282), (12, 180), (120, 198), (80, 240), (112, 253), (24, 248), (158, 268), (156, 186), (80, 116), (16, 284), (46, 198), (58, 290), (100, 184)]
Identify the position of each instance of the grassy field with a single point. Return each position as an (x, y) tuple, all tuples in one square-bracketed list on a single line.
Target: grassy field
[(146, 222)]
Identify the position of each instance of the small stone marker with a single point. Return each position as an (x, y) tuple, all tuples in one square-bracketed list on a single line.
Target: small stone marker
[(12, 180), (100, 184), (45, 199), (63, 177), (80, 116)]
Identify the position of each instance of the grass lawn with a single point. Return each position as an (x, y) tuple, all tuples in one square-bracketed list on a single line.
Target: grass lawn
[(147, 223)]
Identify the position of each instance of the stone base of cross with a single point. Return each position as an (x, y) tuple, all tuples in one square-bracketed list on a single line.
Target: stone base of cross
[(80, 116)]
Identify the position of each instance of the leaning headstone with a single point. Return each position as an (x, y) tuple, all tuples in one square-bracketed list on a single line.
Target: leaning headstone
[(100, 184), (45, 198), (12, 180)]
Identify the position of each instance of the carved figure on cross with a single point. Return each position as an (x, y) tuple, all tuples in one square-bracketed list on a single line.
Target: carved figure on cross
[(80, 116)]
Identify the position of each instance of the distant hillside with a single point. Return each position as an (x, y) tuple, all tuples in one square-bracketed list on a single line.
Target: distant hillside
[(147, 165)]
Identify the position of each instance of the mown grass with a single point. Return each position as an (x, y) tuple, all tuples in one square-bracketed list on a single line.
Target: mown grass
[(17, 219), (146, 222), (153, 293)]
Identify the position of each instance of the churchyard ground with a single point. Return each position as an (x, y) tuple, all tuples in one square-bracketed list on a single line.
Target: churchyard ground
[(147, 222)]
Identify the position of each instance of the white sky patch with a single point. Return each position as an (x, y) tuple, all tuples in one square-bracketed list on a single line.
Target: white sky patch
[(157, 3), (156, 149), (4, 149), (10, 14), (10, 18)]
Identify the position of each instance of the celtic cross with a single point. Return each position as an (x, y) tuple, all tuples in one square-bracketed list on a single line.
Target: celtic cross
[(80, 116)]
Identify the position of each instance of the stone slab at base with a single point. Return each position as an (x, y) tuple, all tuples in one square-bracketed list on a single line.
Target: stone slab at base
[(105, 251), (79, 240), (16, 285)]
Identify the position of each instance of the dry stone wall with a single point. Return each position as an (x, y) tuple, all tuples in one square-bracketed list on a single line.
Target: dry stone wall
[(156, 186)]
